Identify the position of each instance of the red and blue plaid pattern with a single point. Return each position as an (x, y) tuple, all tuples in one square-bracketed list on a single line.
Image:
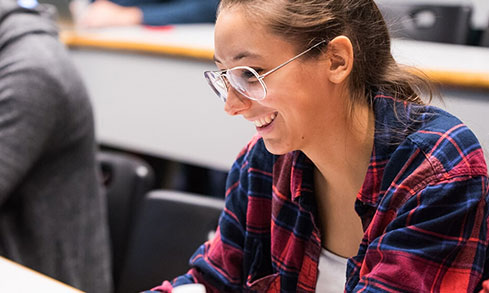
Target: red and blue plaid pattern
[(423, 206)]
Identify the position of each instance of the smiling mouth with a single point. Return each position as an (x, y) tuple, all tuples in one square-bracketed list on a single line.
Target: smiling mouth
[(265, 121)]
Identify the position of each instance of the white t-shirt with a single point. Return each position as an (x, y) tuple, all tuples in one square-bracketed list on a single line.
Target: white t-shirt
[(332, 273)]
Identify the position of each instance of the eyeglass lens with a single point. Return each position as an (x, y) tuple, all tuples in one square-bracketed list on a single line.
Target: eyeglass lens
[(242, 79), (246, 82), (217, 83)]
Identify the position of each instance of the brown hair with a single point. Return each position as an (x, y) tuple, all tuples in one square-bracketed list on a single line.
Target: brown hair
[(305, 22)]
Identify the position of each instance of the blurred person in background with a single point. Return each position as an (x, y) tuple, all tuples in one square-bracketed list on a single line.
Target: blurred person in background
[(102, 13), (52, 212)]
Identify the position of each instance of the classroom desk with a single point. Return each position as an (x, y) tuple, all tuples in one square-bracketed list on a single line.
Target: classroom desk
[(19, 279), (150, 96)]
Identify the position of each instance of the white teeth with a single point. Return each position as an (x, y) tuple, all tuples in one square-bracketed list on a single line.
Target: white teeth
[(265, 120)]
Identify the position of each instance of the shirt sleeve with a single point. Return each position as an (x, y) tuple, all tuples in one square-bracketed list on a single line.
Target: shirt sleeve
[(177, 12), (26, 122), (218, 263), (435, 242)]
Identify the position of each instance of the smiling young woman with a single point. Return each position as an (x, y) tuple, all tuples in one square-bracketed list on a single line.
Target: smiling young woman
[(352, 182)]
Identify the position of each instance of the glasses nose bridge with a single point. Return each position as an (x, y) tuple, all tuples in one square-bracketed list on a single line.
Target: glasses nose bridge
[(225, 79), (222, 75)]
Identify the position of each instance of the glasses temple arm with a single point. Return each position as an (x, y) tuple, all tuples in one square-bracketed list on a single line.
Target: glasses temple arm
[(290, 60)]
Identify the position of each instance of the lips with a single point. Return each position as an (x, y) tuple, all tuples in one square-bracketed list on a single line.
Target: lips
[(265, 121)]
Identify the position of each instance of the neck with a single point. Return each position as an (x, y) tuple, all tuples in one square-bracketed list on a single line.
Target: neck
[(343, 159)]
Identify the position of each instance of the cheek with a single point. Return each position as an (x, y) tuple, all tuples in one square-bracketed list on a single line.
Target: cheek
[(293, 105), (284, 94), (299, 99)]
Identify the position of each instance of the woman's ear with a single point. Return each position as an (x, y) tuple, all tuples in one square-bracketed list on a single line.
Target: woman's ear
[(340, 59)]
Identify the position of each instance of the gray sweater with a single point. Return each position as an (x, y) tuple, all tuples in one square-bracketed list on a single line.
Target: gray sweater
[(52, 212)]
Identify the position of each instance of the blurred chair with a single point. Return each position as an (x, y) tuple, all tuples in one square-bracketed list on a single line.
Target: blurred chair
[(485, 38), (442, 23), (126, 179), (169, 228)]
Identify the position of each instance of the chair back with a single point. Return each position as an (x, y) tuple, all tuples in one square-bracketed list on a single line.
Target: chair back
[(485, 38), (126, 179), (427, 22), (170, 227)]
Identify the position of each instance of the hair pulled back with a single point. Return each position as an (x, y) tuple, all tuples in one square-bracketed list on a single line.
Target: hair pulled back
[(305, 22)]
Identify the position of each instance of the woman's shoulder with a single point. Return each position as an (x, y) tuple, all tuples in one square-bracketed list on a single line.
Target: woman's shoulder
[(447, 143)]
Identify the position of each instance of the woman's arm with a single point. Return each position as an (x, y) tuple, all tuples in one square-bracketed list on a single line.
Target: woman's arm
[(107, 13), (176, 12)]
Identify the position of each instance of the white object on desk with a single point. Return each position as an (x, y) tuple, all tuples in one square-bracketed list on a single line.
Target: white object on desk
[(189, 288), (19, 279)]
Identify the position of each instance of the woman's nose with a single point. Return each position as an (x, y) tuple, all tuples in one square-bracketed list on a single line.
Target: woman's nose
[(236, 103)]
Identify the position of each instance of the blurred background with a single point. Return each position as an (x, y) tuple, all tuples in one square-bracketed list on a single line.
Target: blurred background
[(160, 127)]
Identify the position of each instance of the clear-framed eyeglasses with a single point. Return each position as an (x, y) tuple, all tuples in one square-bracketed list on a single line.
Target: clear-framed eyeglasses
[(244, 79)]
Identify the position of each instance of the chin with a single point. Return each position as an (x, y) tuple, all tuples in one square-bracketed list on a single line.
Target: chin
[(276, 148)]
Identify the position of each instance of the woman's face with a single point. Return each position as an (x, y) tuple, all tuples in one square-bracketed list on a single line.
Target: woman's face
[(297, 108)]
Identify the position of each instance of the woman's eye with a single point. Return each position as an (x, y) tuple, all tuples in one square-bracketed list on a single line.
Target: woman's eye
[(248, 75), (251, 76), (258, 70)]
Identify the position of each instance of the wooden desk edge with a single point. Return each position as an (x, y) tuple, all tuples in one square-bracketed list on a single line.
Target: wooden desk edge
[(449, 78), (74, 40), (458, 78), (40, 274)]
